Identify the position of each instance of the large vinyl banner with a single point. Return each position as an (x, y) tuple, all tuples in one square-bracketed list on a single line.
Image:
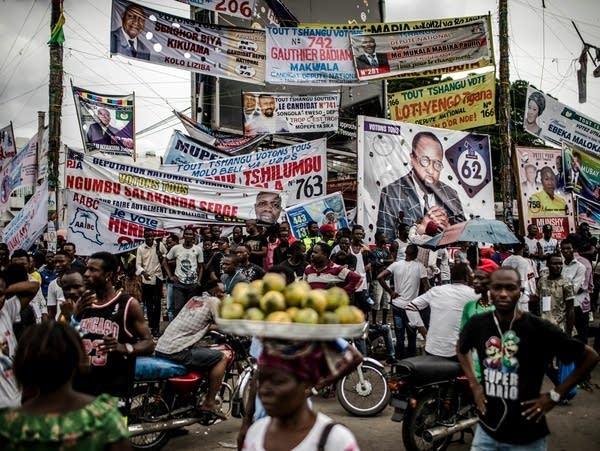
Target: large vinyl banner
[(300, 56), (94, 225), (552, 121), (328, 209), (267, 113), (182, 149), (157, 193), (581, 172), (588, 212), (20, 171), (389, 54), (149, 35), (107, 122), (299, 169), (8, 147), (409, 171), (454, 104), (542, 195), (237, 8), (30, 222)]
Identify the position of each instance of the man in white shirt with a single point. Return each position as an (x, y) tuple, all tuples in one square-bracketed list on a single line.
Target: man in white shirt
[(148, 260), (409, 276), (575, 272), (526, 270), (62, 262), (447, 303)]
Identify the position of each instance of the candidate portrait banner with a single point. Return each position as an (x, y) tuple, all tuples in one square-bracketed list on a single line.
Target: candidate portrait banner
[(552, 121), (268, 113), (454, 104), (581, 172), (164, 194), (328, 209), (447, 179), (8, 146), (541, 200), (237, 8), (393, 27), (299, 169), (588, 212), (29, 224), (146, 34), (182, 149), (314, 56), (94, 225), (410, 52), (19, 172), (106, 122)]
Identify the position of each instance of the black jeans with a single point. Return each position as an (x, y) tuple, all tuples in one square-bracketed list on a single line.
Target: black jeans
[(151, 297), (582, 322)]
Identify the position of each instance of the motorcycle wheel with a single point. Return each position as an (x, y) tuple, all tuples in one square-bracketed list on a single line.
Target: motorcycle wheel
[(424, 416), (364, 400), (224, 399), (147, 408)]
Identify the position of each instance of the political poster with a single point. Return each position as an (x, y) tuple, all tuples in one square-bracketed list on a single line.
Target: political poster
[(243, 9), (299, 169), (268, 113), (158, 193), (182, 150), (19, 172), (542, 200), (225, 142), (454, 104), (581, 172), (328, 209), (94, 225), (588, 212), (408, 52), (106, 121), (550, 120), (314, 56), (408, 172), (394, 27), (8, 146), (29, 224), (42, 157), (146, 34)]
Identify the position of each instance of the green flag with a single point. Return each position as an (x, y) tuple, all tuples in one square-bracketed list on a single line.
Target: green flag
[(57, 36)]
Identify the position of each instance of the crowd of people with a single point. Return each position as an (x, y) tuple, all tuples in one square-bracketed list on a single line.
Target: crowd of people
[(86, 319)]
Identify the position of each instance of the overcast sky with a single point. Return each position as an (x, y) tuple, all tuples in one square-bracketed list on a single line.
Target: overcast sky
[(544, 48)]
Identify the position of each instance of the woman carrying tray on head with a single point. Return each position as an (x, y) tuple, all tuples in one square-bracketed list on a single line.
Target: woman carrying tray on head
[(285, 381)]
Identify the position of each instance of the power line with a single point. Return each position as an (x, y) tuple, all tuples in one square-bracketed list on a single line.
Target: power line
[(17, 36)]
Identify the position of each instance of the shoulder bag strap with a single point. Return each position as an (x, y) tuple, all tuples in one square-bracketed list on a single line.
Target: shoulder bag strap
[(325, 435)]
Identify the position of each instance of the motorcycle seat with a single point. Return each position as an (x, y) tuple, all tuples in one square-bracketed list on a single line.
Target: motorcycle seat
[(427, 369), (153, 368)]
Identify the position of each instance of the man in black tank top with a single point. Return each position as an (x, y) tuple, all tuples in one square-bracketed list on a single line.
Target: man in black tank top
[(113, 329)]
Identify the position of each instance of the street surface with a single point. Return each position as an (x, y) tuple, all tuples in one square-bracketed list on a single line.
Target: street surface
[(574, 427)]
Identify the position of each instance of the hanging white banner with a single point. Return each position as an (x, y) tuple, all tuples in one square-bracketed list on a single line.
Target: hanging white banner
[(19, 172), (236, 8), (30, 222), (183, 149)]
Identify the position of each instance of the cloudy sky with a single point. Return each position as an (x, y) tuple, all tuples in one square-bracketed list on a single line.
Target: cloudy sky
[(544, 48)]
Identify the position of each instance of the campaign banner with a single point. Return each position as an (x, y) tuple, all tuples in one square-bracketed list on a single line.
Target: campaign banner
[(541, 195), (408, 52), (94, 225), (393, 27), (182, 149), (446, 179), (42, 157), (8, 146), (146, 34), (328, 209), (106, 121), (20, 171), (314, 56), (299, 169), (29, 224), (269, 113), (225, 142), (164, 194), (237, 8), (581, 172), (552, 121), (455, 104), (588, 212)]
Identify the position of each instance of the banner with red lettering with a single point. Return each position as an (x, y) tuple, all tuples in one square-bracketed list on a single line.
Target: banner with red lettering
[(237, 8), (30, 222), (541, 194), (19, 172), (164, 194), (299, 169), (94, 225)]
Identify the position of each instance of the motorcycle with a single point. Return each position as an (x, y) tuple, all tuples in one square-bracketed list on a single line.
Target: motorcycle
[(167, 396), (431, 396)]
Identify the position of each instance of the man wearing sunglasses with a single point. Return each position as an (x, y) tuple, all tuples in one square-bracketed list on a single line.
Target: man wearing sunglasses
[(420, 193)]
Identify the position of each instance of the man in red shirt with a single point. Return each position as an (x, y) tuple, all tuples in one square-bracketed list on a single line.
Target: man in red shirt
[(323, 273)]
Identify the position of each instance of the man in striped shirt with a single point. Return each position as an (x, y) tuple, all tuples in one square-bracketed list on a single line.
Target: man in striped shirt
[(323, 273)]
